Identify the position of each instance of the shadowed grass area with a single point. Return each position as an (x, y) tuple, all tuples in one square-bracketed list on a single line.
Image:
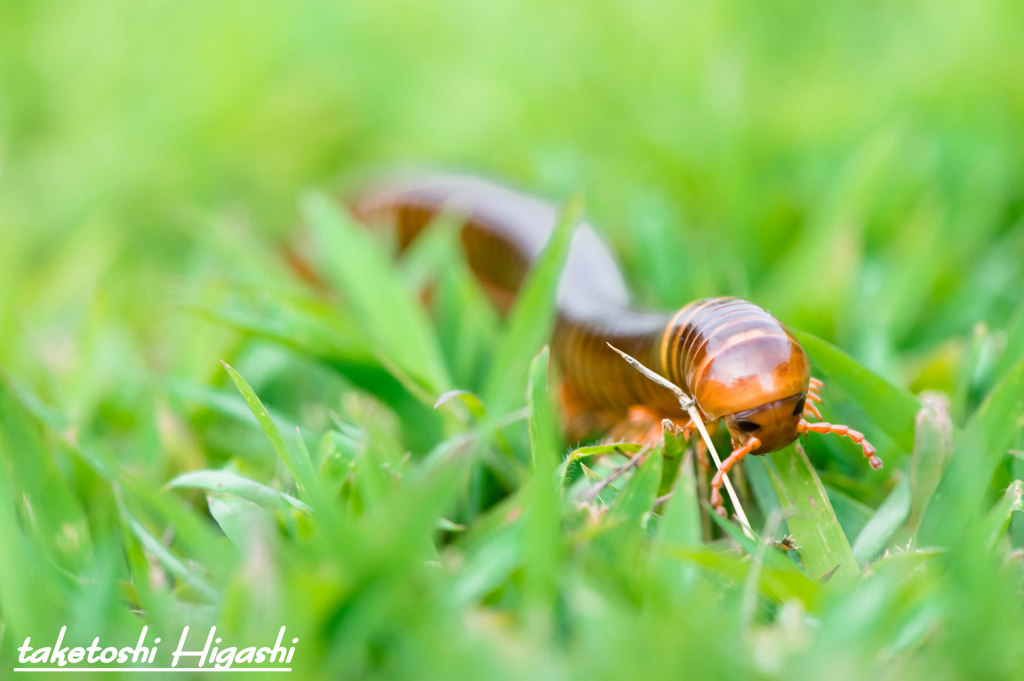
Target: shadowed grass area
[(854, 168)]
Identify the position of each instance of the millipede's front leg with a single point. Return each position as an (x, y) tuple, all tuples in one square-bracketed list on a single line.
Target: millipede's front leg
[(843, 431), (716, 482), (804, 426), (643, 425)]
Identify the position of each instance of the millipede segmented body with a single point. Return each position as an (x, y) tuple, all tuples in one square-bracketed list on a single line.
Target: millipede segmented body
[(738, 362)]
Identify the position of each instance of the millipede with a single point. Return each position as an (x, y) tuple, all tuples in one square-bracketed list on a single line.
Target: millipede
[(741, 366)]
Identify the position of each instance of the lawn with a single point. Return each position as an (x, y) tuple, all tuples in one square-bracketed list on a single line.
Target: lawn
[(193, 434)]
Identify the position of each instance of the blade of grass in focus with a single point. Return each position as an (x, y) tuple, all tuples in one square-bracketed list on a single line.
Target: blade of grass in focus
[(297, 463), (824, 549)]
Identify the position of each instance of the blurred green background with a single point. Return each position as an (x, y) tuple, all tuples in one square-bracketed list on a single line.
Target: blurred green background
[(855, 167)]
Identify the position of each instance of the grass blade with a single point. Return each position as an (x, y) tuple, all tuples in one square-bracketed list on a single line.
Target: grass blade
[(532, 317), (393, 319), (300, 467), (933, 446), (824, 549), (999, 517), (957, 501), (889, 517), (543, 535), (229, 482)]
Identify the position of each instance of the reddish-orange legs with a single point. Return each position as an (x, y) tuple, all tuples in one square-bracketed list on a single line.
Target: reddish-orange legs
[(716, 482), (805, 426), (812, 397), (644, 426), (843, 431)]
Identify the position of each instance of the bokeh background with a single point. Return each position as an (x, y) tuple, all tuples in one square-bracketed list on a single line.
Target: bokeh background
[(855, 167)]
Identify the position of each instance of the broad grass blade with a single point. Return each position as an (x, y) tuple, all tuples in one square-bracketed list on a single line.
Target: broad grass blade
[(824, 548)]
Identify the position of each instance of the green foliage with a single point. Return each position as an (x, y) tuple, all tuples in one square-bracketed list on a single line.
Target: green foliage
[(378, 463)]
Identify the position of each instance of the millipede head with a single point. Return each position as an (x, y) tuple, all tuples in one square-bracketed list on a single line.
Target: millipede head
[(773, 425)]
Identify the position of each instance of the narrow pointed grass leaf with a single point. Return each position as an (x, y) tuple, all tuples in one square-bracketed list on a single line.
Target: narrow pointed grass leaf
[(637, 497), (957, 501), (488, 565), (1017, 523), (889, 517), (891, 409), (780, 584), (998, 520), (472, 403), (393, 319), (824, 549), (532, 317), (598, 450), (236, 516), (587, 451), (433, 251), (220, 402), (754, 546), (20, 589), (1013, 348), (168, 559), (543, 532), (626, 519), (58, 526), (969, 378), (229, 482), (681, 512), (300, 467), (193, 536), (853, 516), (933, 447), (431, 494), (760, 480), (901, 563), (310, 328), (680, 520), (467, 323)]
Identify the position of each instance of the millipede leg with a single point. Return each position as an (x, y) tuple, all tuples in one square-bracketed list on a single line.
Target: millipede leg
[(809, 408), (716, 482), (843, 431), (813, 390), (700, 448), (643, 426), (812, 397)]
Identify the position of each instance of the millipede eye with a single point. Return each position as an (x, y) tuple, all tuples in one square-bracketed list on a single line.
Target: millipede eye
[(747, 426), (799, 405)]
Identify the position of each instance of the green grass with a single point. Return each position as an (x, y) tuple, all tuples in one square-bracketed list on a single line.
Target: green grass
[(855, 168)]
